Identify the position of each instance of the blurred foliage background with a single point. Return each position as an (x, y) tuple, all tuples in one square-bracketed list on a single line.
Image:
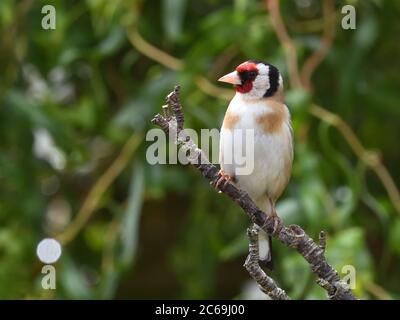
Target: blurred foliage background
[(76, 103)]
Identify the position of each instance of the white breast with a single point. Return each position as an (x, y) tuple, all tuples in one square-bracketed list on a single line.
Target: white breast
[(272, 154)]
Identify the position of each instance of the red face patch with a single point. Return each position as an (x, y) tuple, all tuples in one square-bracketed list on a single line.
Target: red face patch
[(246, 66), (246, 87), (247, 84)]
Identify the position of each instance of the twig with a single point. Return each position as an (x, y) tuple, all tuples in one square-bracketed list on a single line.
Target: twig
[(151, 51), (92, 200), (314, 60), (223, 60), (370, 158), (266, 283), (377, 291), (292, 236), (288, 44), (174, 102), (212, 90), (173, 63)]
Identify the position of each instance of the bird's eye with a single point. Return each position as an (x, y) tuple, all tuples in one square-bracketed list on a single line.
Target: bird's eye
[(252, 74)]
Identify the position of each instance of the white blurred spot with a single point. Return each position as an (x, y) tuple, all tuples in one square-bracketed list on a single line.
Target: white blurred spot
[(57, 75), (303, 3), (48, 250), (37, 86), (44, 148), (58, 215), (62, 90), (251, 291), (55, 87), (343, 194)]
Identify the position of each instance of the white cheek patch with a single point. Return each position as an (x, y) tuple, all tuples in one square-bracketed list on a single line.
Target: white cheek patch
[(262, 69), (261, 84), (263, 74)]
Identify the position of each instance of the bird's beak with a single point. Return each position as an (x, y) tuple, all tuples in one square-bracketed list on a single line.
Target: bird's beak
[(231, 78)]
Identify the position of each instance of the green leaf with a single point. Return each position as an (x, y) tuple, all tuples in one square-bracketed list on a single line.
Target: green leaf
[(95, 235), (130, 222), (235, 248), (173, 15), (394, 236), (298, 100), (112, 42), (73, 281)]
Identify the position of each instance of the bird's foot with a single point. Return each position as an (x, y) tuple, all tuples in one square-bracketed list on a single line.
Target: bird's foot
[(222, 180), (277, 221)]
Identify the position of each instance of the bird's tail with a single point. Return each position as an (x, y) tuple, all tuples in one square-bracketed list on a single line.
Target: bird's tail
[(265, 250), (264, 240)]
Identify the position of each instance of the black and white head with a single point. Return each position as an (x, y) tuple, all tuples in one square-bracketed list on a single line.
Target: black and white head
[(255, 80)]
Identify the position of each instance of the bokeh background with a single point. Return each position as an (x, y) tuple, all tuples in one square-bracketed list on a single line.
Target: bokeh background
[(76, 103)]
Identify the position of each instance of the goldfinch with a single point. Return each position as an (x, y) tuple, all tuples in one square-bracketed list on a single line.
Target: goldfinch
[(257, 108)]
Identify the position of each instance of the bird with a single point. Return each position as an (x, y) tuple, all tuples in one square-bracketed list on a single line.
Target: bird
[(258, 107)]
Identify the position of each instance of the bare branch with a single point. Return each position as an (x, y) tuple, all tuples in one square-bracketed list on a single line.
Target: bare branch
[(322, 241), (266, 283), (174, 102), (292, 236)]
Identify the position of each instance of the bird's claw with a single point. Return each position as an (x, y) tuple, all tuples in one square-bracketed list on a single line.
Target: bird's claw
[(277, 222), (222, 180)]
